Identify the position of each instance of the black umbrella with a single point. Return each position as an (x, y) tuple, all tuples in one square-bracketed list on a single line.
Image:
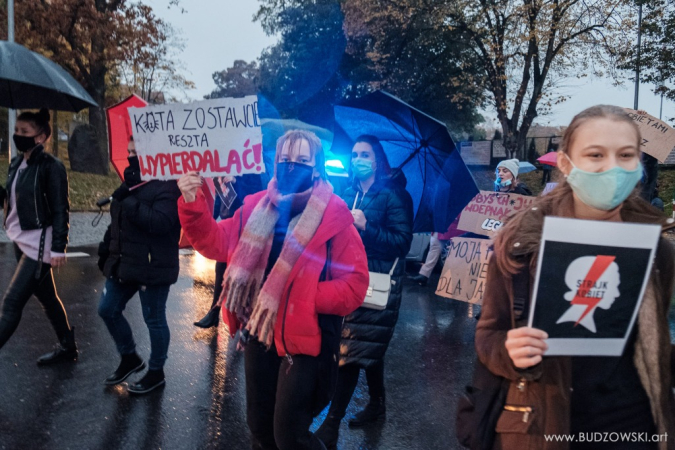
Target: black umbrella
[(29, 80), (438, 180)]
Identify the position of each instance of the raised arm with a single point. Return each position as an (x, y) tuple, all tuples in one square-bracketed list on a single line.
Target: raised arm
[(494, 326)]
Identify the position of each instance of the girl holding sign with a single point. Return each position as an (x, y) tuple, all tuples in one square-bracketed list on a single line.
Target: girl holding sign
[(600, 159), (295, 264)]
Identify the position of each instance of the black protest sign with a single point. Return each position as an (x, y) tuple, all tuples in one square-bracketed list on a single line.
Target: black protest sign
[(590, 283)]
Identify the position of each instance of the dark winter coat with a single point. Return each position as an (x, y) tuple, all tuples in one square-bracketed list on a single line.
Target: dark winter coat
[(519, 188), (42, 195), (388, 209), (141, 243)]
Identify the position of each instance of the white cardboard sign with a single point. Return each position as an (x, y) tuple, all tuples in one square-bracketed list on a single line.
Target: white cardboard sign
[(218, 137)]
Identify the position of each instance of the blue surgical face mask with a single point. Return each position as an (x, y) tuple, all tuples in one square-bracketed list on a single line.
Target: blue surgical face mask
[(603, 190), (362, 168), (499, 183)]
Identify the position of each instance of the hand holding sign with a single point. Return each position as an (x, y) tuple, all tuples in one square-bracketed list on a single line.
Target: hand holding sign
[(526, 346), (189, 184)]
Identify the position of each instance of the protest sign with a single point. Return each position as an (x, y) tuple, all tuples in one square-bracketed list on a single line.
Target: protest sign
[(658, 138), (214, 137), (225, 190), (486, 213), (589, 284), (465, 269)]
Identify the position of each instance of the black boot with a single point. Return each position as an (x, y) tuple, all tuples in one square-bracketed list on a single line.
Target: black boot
[(210, 319), (130, 364), (66, 350), (374, 411), (420, 279), (329, 431), (151, 381)]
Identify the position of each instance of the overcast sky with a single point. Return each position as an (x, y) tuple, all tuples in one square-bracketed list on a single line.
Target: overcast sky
[(218, 32)]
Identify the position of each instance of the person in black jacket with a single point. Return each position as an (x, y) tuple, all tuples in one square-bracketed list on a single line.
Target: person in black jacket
[(242, 186), (139, 253), (383, 214), (36, 220)]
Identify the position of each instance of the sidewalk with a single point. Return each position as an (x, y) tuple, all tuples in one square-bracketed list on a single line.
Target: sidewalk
[(81, 230)]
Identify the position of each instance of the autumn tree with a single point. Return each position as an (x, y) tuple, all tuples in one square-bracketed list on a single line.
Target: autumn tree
[(305, 73), (331, 50), (525, 47), (90, 39), (240, 80), (404, 49), (150, 66)]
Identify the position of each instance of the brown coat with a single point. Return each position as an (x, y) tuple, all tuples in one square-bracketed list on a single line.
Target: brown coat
[(545, 388)]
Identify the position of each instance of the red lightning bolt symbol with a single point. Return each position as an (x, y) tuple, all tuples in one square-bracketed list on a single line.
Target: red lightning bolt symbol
[(599, 266)]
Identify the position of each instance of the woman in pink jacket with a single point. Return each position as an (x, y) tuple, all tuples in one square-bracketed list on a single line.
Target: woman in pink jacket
[(292, 255)]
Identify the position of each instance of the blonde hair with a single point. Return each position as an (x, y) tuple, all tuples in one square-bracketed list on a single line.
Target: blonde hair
[(294, 138)]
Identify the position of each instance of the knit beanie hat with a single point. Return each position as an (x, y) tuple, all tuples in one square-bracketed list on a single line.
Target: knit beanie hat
[(511, 165)]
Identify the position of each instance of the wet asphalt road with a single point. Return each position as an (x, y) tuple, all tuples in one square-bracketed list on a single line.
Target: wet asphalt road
[(203, 404)]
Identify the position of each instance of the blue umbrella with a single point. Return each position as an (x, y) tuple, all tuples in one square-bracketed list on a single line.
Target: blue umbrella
[(524, 167), (29, 80), (416, 144)]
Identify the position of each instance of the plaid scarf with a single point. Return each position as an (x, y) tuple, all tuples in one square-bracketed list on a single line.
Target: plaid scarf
[(244, 294)]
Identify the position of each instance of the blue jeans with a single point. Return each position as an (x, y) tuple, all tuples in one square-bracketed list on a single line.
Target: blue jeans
[(115, 297)]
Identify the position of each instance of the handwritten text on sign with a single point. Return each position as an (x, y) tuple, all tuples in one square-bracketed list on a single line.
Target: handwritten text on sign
[(658, 138), (486, 213), (215, 137), (465, 270)]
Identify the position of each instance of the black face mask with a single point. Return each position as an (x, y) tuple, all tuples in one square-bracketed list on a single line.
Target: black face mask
[(132, 174), (24, 143), (293, 178)]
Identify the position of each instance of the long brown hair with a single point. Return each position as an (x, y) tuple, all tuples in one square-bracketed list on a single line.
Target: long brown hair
[(521, 235)]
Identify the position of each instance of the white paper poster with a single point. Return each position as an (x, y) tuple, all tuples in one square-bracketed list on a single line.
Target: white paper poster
[(219, 137)]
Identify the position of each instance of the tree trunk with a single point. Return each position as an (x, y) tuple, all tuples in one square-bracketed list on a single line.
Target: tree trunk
[(97, 119)]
